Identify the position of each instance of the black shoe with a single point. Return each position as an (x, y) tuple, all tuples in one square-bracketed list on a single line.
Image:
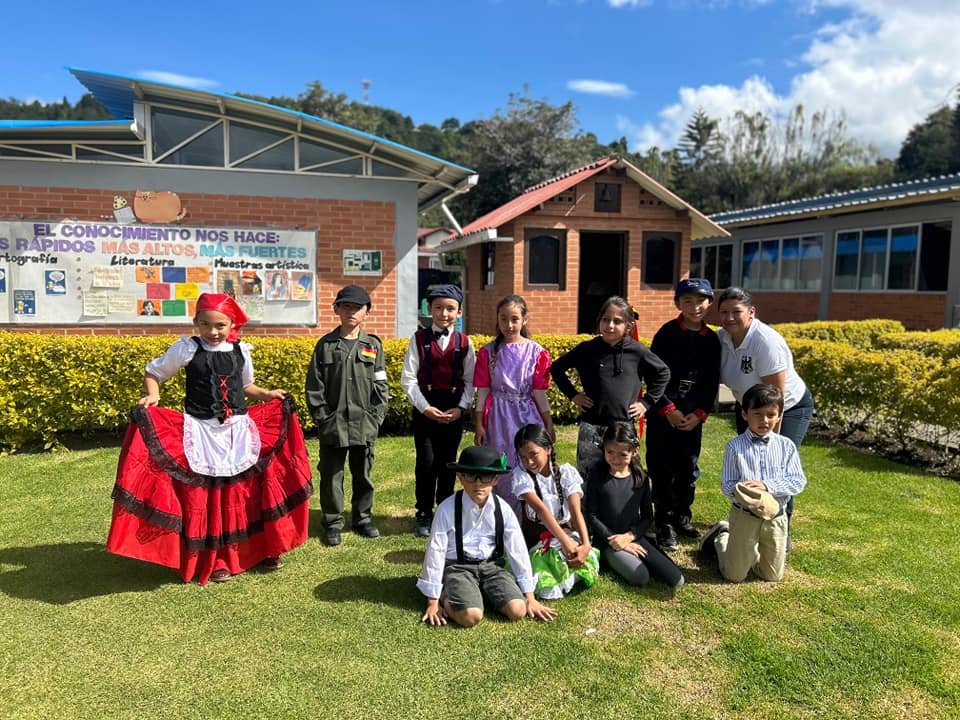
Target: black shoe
[(686, 528), (367, 530), (666, 537), (708, 551), (332, 538), (423, 523)]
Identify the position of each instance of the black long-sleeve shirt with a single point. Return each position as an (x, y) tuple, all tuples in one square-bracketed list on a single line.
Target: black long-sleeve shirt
[(614, 506), (693, 357), (612, 376)]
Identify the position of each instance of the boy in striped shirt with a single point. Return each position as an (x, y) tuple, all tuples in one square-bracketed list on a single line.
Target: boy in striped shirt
[(761, 472)]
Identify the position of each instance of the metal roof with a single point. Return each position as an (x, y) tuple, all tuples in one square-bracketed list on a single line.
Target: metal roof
[(438, 179), (867, 198), (482, 228)]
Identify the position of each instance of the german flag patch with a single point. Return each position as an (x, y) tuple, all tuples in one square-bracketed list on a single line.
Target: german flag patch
[(370, 353)]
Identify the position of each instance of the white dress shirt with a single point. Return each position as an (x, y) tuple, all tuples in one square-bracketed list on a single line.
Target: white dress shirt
[(479, 542), (411, 369)]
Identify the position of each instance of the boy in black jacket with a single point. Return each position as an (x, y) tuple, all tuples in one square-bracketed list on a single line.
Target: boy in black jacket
[(692, 352)]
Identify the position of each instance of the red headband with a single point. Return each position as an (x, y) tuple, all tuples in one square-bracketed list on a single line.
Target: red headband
[(228, 306)]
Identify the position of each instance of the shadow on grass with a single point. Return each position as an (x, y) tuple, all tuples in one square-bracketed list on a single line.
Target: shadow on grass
[(68, 572), (386, 524), (400, 592), (404, 557)]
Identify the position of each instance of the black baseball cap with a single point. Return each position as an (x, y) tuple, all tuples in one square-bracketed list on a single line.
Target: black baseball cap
[(353, 294)]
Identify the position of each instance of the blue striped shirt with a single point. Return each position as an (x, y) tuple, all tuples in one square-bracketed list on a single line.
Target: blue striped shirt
[(776, 464)]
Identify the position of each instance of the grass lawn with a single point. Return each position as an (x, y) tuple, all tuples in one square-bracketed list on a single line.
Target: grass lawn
[(865, 624)]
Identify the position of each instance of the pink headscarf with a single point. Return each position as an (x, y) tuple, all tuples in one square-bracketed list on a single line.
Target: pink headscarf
[(225, 304)]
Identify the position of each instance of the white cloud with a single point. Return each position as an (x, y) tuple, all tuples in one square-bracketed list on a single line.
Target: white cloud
[(170, 78), (885, 68), (629, 3), (600, 87)]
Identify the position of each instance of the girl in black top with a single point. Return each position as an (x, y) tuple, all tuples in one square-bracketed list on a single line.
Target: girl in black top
[(619, 511)]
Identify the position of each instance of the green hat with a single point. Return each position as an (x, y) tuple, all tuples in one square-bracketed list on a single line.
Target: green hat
[(482, 461)]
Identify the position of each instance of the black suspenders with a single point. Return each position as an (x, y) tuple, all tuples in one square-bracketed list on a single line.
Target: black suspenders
[(458, 527)]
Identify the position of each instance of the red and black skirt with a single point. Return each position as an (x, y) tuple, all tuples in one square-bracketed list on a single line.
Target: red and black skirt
[(165, 513)]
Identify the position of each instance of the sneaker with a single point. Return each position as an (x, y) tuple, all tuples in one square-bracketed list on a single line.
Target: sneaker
[(666, 537), (685, 527), (272, 563), (367, 530), (707, 550), (423, 523), (332, 537), (221, 576)]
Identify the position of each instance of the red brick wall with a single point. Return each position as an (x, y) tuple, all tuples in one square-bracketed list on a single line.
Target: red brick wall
[(779, 307), (556, 310), (916, 311), (338, 224)]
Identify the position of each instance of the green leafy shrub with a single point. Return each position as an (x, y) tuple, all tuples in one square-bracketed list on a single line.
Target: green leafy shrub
[(942, 344), (859, 333)]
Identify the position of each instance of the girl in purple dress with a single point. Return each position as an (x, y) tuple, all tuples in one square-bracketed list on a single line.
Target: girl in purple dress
[(512, 377)]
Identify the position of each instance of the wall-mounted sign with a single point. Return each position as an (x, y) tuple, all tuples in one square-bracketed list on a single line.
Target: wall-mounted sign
[(97, 272), (362, 262)]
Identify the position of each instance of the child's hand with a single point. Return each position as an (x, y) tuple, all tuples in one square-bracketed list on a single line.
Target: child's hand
[(689, 422), (675, 418), (432, 413), (569, 546), (277, 394), (538, 611), (636, 410), (582, 401), (635, 549), (434, 616), (620, 542), (479, 435), (149, 401), (755, 484), (583, 551)]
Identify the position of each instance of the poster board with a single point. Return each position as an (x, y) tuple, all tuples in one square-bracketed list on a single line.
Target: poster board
[(111, 273)]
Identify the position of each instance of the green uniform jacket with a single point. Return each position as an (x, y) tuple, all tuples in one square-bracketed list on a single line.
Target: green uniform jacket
[(347, 389)]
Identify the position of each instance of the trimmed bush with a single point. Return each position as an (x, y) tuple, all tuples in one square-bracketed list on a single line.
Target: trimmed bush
[(942, 344), (859, 333)]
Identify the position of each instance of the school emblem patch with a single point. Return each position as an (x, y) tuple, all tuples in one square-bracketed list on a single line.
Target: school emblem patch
[(746, 364)]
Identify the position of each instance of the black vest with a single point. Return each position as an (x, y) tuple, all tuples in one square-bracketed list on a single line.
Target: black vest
[(215, 384)]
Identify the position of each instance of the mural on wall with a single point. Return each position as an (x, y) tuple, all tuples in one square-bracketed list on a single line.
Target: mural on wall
[(158, 208)]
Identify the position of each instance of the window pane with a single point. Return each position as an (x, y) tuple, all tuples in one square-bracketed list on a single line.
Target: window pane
[(724, 267), (751, 256), (171, 127), (606, 197), (205, 150), (385, 170), (811, 263), (245, 139), (696, 266), (873, 259), (769, 251), (314, 154), (903, 258), (845, 270), (544, 267), (710, 263), (278, 158), (347, 167), (790, 264), (935, 256), (658, 257), (489, 263)]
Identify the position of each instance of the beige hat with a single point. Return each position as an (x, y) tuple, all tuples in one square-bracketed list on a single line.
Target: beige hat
[(756, 501)]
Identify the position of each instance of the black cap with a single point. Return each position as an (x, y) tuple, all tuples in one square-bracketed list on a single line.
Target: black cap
[(700, 286), (481, 460), (353, 294), (446, 291)]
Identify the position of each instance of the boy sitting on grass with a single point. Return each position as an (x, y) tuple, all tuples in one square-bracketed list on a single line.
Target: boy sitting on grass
[(471, 532), (761, 472)]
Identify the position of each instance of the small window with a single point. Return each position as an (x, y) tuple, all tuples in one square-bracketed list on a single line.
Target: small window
[(811, 263), (169, 128), (934, 256), (207, 150), (660, 257), (606, 197), (713, 262), (276, 158), (904, 243), (724, 274), (873, 259), (312, 153), (489, 262), (696, 262), (545, 253), (845, 267), (247, 139)]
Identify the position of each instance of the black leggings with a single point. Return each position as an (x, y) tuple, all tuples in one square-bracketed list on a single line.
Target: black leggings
[(639, 571)]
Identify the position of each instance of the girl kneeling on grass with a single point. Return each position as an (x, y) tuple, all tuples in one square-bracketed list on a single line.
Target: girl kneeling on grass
[(219, 488), (554, 527), (620, 510)]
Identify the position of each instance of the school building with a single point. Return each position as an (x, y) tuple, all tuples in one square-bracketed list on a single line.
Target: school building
[(569, 243), (116, 226), (877, 252)]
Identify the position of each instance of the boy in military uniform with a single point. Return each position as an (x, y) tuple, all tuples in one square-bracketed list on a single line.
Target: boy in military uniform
[(347, 397)]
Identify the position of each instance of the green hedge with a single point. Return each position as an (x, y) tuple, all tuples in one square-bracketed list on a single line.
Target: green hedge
[(942, 344), (859, 333), (54, 384)]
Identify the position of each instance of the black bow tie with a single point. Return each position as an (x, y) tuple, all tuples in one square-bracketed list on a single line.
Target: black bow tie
[(758, 439), (440, 333)]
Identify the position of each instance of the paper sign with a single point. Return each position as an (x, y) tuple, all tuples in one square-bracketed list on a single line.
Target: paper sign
[(122, 304), (186, 291), (198, 275), (107, 276), (96, 305)]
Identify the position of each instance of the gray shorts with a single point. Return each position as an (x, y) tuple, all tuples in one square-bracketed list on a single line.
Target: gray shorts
[(467, 585)]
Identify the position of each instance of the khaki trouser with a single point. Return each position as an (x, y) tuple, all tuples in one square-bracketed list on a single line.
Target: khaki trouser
[(752, 544)]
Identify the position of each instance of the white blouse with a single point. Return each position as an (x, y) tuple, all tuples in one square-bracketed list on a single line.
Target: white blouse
[(570, 482)]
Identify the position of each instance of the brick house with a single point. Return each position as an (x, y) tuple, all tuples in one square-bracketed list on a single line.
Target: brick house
[(876, 252), (568, 243), (240, 169)]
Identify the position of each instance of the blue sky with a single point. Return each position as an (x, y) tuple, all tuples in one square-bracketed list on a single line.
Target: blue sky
[(636, 68)]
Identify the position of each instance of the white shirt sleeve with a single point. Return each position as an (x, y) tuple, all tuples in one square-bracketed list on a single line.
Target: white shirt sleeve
[(177, 357), (516, 550), (247, 374), (570, 481), (430, 582), (408, 376), (521, 482), (469, 365)]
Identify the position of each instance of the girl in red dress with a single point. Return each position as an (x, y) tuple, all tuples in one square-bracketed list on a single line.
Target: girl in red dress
[(219, 488)]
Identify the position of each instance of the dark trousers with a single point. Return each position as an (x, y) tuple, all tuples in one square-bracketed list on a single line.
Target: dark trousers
[(436, 445), (795, 423), (331, 466), (673, 463), (639, 571)]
